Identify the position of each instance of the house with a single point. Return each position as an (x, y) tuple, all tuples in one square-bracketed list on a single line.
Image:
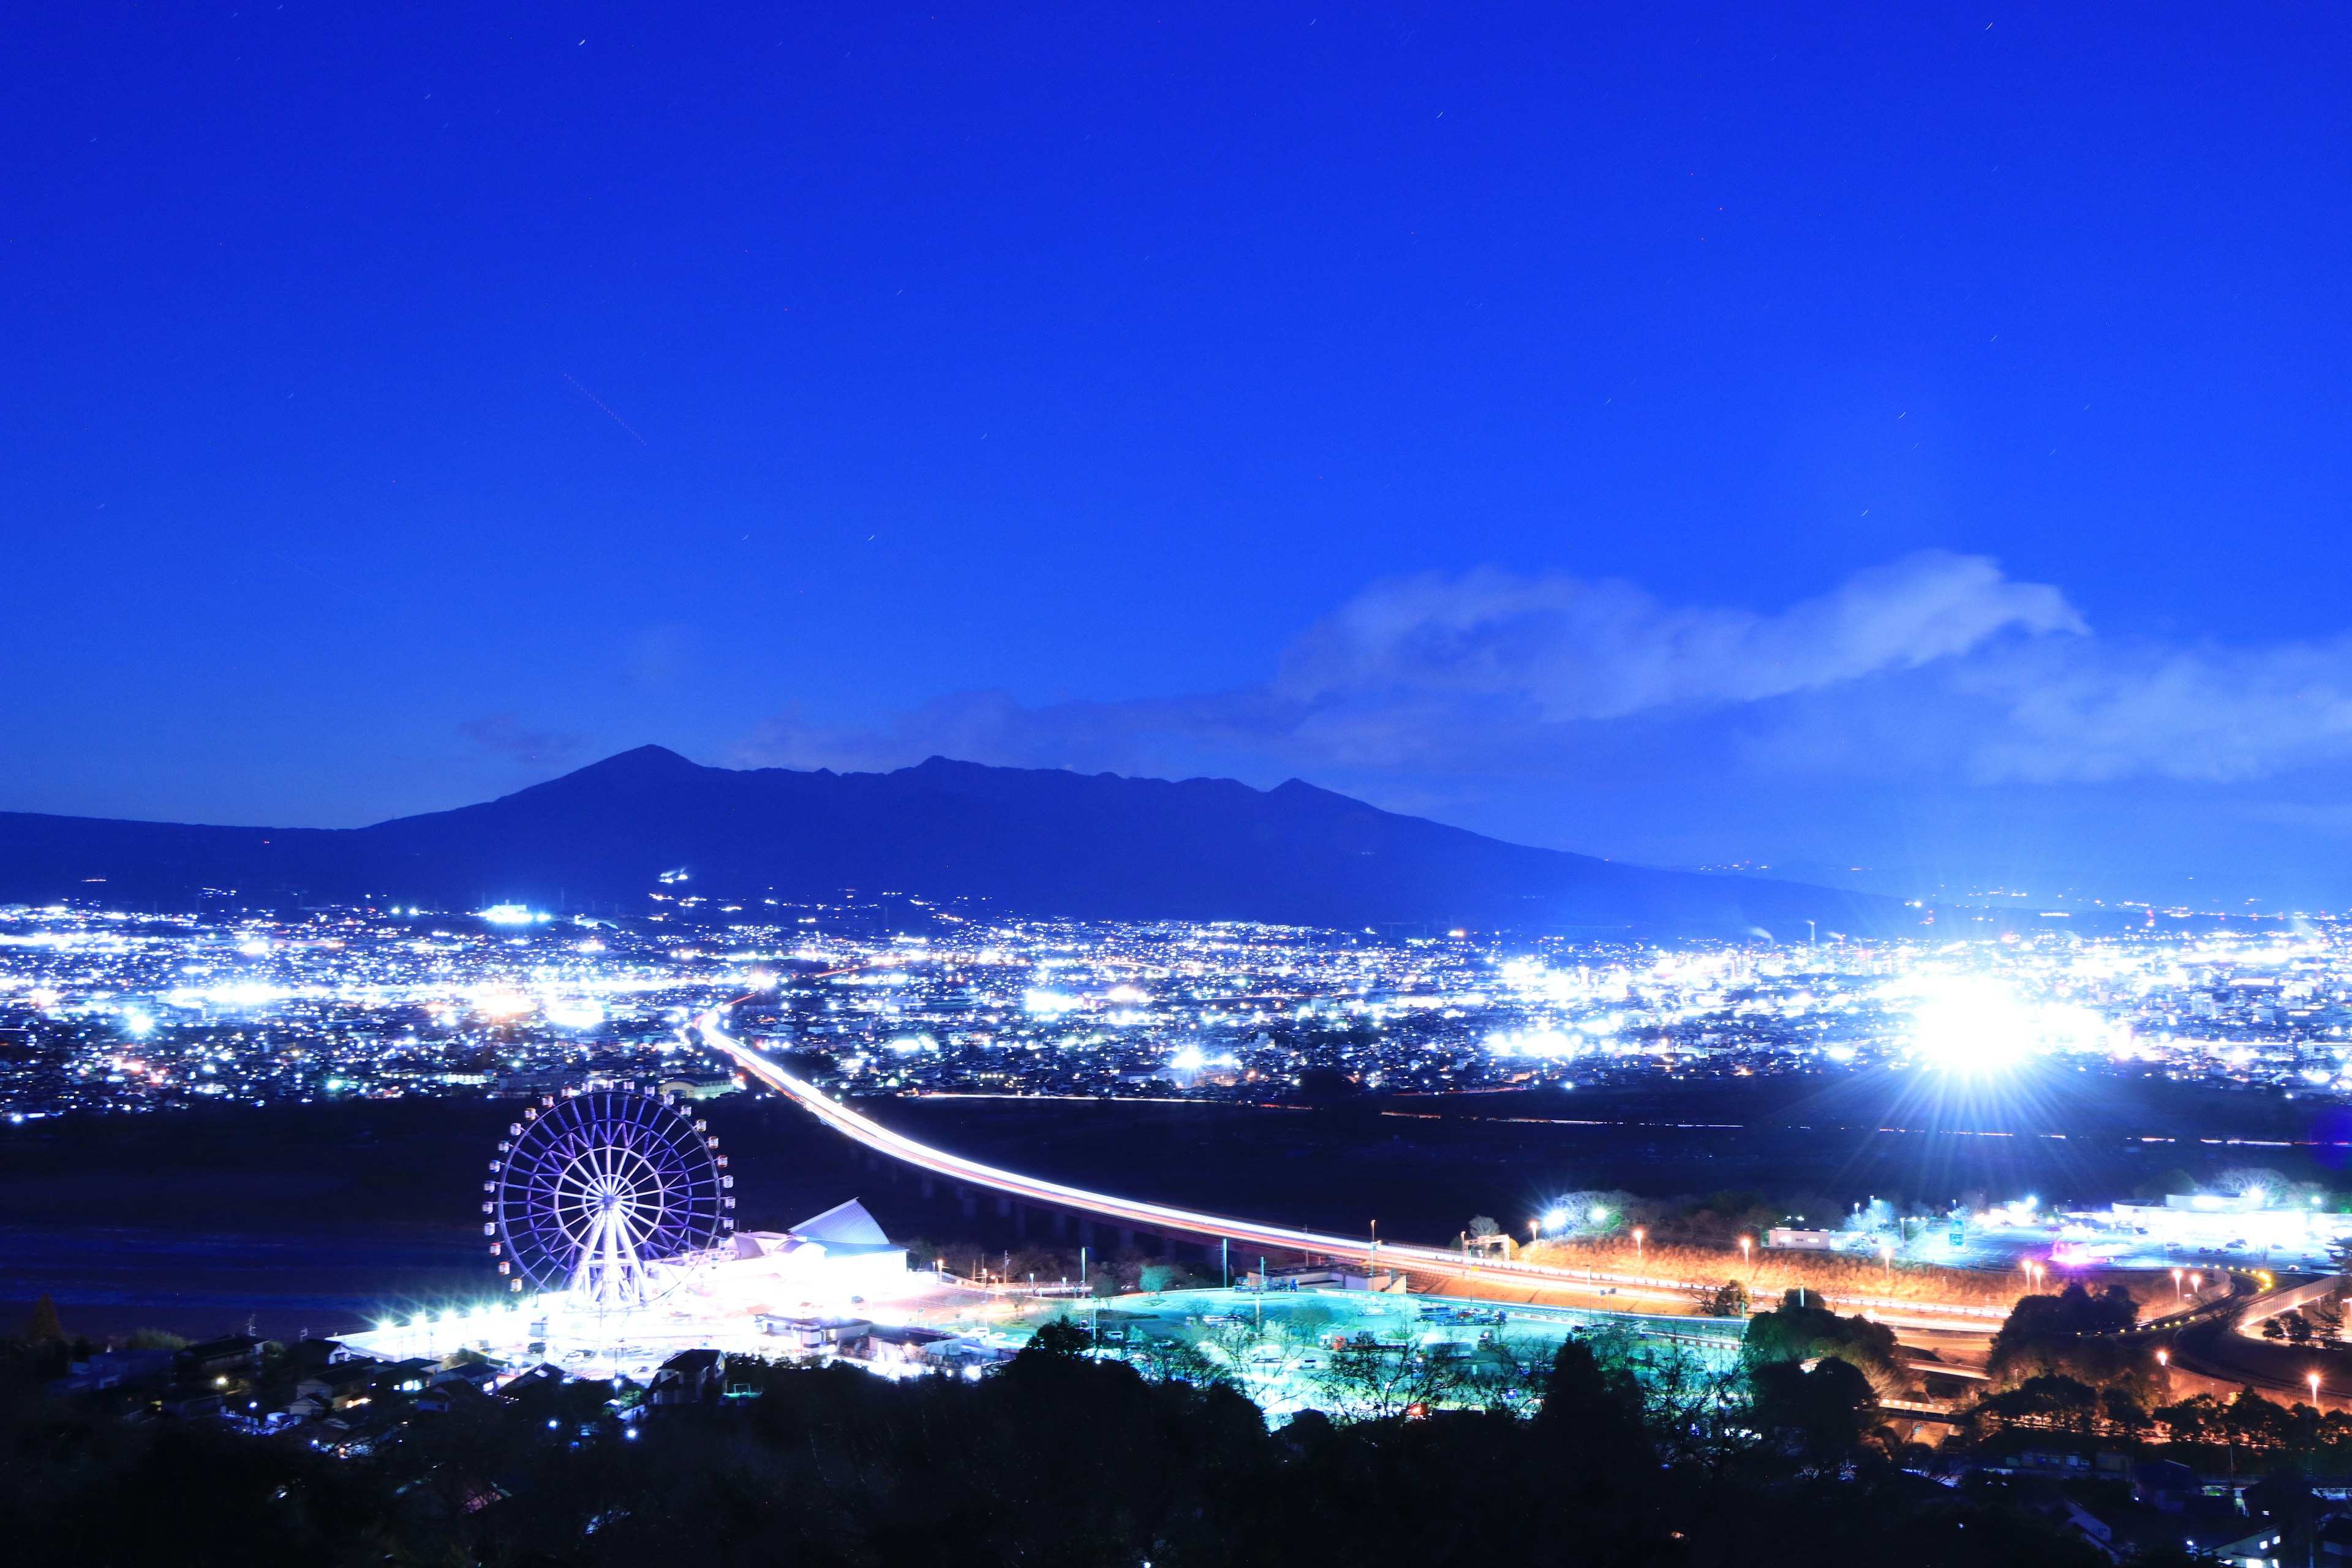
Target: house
[(887, 1346), (1790, 1238), (2045, 1501), (188, 1400), (111, 1369), (335, 1387), (2165, 1485), (2222, 1537), (522, 1385), (1328, 1276), (449, 1393), (812, 1334), (2286, 1501), (968, 1356), (689, 1377), (232, 1356), (480, 1375)]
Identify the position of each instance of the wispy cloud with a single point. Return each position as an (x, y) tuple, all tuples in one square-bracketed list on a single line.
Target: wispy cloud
[(2117, 712), (1935, 664), (1571, 650)]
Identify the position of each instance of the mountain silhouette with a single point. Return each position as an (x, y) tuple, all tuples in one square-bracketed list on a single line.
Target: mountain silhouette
[(1027, 841)]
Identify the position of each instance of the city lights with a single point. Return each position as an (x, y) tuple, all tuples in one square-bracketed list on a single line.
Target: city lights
[(123, 1012)]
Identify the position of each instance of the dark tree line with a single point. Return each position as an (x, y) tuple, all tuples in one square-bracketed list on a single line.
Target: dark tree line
[(1055, 1459)]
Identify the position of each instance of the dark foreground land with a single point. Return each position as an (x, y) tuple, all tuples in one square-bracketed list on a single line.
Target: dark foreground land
[(1055, 1459), (308, 1218)]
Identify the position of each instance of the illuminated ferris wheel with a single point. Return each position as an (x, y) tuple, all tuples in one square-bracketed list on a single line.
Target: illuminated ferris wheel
[(603, 1194)]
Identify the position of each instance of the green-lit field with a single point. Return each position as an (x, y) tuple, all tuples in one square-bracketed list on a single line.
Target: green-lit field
[(1365, 1352)]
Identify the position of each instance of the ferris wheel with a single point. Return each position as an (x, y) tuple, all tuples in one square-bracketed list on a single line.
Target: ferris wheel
[(602, 1194)]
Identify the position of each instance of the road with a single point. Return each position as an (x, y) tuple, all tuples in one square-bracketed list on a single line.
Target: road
[(1491, 1278)]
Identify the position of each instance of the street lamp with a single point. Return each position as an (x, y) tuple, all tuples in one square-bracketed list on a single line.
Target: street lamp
[(1886, 1263), (2312, 1378), (2163, 1357), (1745, 1243), (2175, 1284), (1637, 1245), (2196, 1283)]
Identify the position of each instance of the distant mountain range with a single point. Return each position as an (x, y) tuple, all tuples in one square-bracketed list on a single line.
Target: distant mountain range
[(1029, 841)]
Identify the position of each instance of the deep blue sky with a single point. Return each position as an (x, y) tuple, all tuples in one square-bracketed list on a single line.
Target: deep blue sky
[(403, 404)]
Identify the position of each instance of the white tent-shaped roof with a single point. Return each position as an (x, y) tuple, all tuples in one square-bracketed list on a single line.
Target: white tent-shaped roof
[(847, 1224)]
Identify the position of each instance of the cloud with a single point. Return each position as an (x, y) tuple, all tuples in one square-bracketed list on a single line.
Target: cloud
[(1934, 667), (2217, 715), (1573, 651), (504, 733)]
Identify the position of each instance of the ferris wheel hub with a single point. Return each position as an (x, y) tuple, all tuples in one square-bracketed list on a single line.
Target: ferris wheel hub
[(603, 1194)]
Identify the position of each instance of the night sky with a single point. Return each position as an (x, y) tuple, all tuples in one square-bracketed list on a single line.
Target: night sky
[(1908, 437)]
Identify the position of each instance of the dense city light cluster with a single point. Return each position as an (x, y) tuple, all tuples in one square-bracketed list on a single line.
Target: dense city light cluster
[(102, 1010), (105, 1009)]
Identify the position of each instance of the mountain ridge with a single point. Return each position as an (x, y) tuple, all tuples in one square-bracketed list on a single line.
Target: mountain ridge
[(1028, 840)]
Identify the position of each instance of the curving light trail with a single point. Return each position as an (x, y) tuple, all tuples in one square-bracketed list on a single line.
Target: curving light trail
[(1165, 1217)]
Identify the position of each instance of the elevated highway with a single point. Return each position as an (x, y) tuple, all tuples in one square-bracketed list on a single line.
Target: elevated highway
[(1429, 1262)]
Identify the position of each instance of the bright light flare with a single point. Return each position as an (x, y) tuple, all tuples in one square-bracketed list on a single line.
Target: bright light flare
[(502, 1003), (573, 1012), (1977, 1025), (1969, 1026)]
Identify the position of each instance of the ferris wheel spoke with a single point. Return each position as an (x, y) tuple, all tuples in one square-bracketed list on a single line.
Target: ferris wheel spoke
[(602, 1191)]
